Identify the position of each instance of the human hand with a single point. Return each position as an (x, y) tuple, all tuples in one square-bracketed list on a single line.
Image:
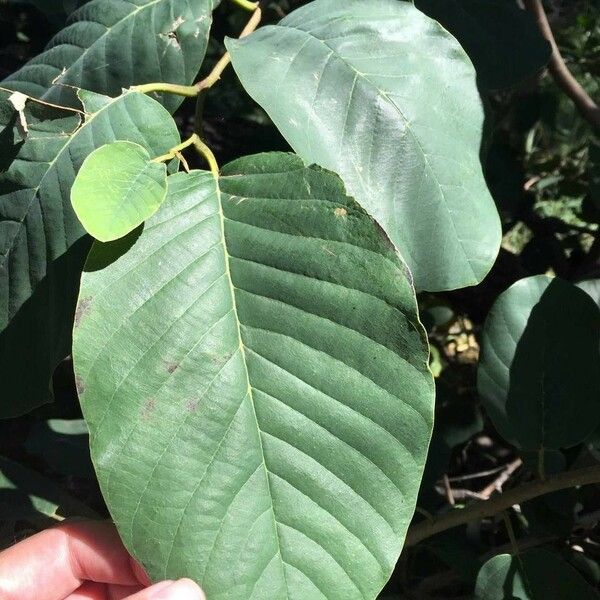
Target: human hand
[(81, 561)]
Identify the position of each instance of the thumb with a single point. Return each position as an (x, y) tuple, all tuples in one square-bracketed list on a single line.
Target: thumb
[(183, 589)]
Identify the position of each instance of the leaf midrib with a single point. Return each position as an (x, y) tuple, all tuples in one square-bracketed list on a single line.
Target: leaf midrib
[(249, 388)]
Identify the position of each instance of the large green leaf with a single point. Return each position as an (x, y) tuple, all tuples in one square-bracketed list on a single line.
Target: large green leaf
[(381, 94), (254, 376), (537, 574), (113, 44), (539, 376), (117, 188), (42, 244), (503, 40)]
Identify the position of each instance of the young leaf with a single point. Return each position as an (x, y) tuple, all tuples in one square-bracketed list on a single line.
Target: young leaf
[(109, 45), (503, 40), (254, 376), (117, 188), (539, 375), (534, 575), (381, 94), (42, 244)]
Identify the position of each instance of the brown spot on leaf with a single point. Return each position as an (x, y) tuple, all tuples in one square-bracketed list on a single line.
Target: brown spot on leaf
[(172, 366), (83, 308), (148, 408), (340, 212), (192, 405)]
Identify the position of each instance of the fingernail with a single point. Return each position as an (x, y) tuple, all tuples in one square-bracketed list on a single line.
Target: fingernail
[(157, 589), (183, 589)]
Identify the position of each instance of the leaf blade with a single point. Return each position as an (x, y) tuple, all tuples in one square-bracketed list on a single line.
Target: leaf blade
[(537, 573), (540, 357), (116, 189), (268, 371), (345, 84), (109, 45)]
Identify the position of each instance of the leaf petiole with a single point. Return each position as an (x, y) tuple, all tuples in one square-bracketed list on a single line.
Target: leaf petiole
[(201, 147)]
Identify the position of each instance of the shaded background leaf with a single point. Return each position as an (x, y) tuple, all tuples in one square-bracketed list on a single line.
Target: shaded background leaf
[(381, 94), (501, 39), (42, 244), (539, 375), (534, 575), (109, 45)]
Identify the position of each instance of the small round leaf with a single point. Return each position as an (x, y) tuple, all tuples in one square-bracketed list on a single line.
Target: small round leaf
[(116, 189)]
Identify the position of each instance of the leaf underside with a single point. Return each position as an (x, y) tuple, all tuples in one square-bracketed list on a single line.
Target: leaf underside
[(381, 94), (255, 380), (42, 244)]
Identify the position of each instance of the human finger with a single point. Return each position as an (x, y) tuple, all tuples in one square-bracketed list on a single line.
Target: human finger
[(54, 563), (183, 589)]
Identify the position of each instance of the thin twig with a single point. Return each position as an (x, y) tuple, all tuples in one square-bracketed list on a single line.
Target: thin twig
[(496, 485), (500, 502), (478, 475), (191, 91), (448, 491), (460, 493), (218, 69), (559, 70)]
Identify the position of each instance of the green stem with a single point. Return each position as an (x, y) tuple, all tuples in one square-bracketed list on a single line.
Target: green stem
[(201, 147), (170, 88), (191, 91), (224, 61), (206, 152), (499, 503), (172, 153), (541, 463), (246, 4), (214, 75), (511, 533)]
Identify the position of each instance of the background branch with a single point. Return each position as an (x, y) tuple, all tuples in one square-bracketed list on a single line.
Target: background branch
[(559, 70), (499, 503)]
